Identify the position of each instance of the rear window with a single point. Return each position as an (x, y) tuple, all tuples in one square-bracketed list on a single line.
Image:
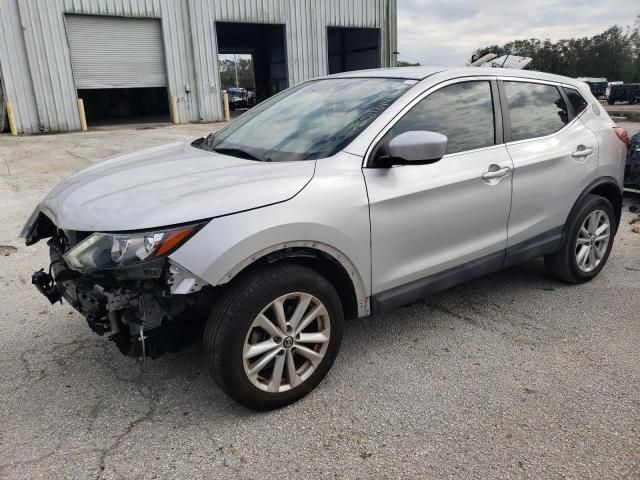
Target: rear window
[(576, 100), (535, 110)]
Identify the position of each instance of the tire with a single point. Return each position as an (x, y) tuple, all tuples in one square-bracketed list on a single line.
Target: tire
[(234, 329), (611, 101), (564, 263)]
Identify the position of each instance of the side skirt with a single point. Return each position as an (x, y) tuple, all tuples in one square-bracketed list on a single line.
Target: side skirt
[(543, 244), (423, 287), (537, 246)]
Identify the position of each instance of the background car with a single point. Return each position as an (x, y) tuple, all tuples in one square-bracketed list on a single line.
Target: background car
[(628, 92)]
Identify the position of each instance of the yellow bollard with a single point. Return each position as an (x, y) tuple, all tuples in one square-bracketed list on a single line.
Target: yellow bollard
[(227, 117), (83, 117), (12, 118), (175, 118)]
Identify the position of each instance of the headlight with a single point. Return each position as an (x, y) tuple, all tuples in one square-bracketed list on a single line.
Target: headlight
[(102, 251)]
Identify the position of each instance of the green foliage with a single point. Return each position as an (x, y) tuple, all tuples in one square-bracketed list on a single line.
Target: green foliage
[(402, 63), (228, 73), (614, 54)]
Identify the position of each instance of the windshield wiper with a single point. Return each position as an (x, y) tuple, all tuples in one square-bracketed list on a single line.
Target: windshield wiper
[(238, 152)]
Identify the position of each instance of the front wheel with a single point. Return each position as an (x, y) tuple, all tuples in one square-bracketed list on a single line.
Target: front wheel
[(587, 243), (274, 335)]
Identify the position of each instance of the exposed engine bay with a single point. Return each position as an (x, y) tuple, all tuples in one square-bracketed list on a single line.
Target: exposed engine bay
[(146, 309)]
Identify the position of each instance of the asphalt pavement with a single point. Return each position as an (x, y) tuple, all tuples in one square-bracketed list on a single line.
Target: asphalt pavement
[(514, 375)]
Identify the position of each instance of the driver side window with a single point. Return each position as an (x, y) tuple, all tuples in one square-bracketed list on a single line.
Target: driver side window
[(461, 111)]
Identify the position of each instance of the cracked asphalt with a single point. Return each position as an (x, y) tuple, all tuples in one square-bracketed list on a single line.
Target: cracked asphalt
[(514, 375)]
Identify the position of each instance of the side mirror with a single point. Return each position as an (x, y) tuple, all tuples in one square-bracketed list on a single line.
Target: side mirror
[(417, 147)]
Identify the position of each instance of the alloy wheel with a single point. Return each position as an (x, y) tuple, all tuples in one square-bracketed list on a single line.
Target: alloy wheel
[(286, 342), (593, 239)]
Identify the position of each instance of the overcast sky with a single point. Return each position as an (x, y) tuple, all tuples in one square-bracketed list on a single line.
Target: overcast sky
[(448, 32)]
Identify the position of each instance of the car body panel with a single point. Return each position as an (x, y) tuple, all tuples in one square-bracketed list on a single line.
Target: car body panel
[(169, 185), (547, 180), (332, 210), (428, 218), (612, 152)]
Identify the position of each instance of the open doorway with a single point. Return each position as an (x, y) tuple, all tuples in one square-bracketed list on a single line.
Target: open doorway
[(353, 48), (257, 53), (110, 106), (119, 68), (237, 78)]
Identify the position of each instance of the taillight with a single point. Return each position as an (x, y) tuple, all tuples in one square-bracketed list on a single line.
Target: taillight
[(622, 135)]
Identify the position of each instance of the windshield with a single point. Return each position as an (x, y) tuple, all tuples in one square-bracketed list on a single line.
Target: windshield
[(313, 120)]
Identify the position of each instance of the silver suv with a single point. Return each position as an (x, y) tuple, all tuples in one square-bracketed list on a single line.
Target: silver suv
[(339, 198)]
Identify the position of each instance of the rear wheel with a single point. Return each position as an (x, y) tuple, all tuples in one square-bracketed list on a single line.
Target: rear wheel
[(274, 335), (587, 243)]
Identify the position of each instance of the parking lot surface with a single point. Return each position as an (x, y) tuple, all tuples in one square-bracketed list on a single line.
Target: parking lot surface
[(513, 375)]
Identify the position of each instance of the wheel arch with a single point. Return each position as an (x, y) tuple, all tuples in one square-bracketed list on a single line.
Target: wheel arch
[(325, 259), (606, 187)]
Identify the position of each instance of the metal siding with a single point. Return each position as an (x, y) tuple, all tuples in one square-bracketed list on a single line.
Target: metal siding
[(116, 52), (176, 26), (50, 65), (14, 69), (42, 67), (205, 46), (3, 113)]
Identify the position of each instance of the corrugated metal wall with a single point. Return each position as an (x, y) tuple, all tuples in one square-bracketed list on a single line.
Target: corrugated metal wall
[(3, 113), (35, 52), (15, 68)]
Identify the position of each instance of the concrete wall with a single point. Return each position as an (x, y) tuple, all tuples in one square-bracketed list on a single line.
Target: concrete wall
[(36, 68)]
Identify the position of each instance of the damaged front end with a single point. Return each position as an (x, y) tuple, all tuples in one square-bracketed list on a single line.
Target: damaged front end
[(125, 285)]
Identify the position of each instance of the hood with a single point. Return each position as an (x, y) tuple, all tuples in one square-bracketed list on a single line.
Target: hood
[(168, 185)]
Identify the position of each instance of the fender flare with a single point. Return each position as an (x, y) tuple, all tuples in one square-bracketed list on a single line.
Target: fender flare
[(358, 285)]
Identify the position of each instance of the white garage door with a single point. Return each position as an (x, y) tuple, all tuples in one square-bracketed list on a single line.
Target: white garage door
[(114, 52)]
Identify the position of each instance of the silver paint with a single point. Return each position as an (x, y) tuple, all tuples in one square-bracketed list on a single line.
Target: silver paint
[(386, 227)]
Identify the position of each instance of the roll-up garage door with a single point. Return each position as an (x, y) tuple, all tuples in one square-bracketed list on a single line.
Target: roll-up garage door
[(116, 52)]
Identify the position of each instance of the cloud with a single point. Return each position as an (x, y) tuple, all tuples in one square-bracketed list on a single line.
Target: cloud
[(447, 33)]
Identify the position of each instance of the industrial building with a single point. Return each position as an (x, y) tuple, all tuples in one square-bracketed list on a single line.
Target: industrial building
[(127, 59)]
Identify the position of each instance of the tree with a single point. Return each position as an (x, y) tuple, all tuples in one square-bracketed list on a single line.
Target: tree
[(614, 54), (402, 63), (228, 73)]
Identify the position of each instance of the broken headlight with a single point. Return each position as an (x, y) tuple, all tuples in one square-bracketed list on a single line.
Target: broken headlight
[(101, 251)]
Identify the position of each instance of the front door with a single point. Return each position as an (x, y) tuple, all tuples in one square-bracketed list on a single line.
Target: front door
[(426, 219)]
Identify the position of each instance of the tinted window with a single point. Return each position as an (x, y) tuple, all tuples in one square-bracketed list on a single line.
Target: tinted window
[(535, 110), (575, 99), (463, 112)]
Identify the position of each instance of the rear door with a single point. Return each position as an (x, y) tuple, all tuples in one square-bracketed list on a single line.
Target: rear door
[(554, 158), (426, 219)]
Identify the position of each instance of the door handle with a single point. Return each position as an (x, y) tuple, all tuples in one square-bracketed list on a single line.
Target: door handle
[(495, 172), (582, 151)]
